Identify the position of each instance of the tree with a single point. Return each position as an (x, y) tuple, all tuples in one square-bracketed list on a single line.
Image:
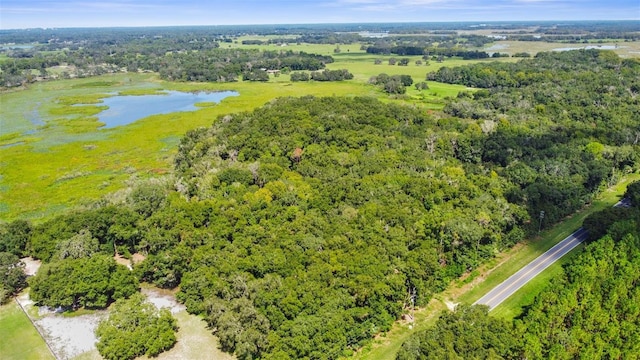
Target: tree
[(633, 193), (12, 276), (147, 198), (394, 87), (135, 327), (14, 236), (81, 245), (85, 282), (599, 222), (299, 76), (468, 332), (422, 85), (256, 75)]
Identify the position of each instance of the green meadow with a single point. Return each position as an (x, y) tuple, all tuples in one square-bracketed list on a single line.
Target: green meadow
[(19, 339)]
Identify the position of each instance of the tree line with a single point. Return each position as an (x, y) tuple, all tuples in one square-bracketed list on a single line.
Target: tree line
[(171, 61), (590, 311), (465, 54)]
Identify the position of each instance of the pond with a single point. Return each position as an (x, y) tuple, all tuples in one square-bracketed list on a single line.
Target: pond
[(124, 110)]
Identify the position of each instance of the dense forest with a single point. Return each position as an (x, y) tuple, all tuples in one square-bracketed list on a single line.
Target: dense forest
[(302, 229), (590, 312), (549, 125)]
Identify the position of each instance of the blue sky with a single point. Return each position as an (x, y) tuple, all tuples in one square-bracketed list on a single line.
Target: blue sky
[(99, 13)]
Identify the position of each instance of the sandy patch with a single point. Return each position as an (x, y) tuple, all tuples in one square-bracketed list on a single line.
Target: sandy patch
[(137, 258), (31, 265), (70, 337), (67, 337), (451, 305), (123, 261), (163, 300)]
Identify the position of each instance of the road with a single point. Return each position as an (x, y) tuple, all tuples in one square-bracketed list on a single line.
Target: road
[(501, 292)]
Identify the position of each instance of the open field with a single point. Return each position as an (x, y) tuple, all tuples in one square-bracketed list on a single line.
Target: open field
[(622, 48), (19, 340), (492, 274)]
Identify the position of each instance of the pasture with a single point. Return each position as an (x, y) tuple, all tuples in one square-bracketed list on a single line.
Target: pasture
[(19, 339)]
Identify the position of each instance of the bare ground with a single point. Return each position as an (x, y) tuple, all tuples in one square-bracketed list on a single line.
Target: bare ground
[(72, 337), (31, 265)]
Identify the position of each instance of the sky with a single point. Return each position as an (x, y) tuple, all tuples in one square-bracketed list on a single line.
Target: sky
[(19, 14)]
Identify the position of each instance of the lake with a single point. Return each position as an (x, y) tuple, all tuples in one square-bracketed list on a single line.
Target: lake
[(588, 47), (124, 110)]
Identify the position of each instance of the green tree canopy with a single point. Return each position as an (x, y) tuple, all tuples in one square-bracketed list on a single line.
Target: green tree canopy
[(85, 282), (466, 333), (12, 276), (135, 327)]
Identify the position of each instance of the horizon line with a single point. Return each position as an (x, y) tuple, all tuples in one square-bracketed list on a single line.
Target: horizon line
[(322, 23)]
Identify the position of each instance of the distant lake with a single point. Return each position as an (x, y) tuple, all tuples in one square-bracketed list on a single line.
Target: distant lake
[(124, 110), (588, 47)]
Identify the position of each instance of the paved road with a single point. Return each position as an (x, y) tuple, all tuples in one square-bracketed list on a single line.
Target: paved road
[(496, 296), (501, 292)]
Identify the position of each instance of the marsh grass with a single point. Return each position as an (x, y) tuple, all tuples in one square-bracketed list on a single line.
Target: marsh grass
[(31, 186), (81, 99), (95, 84)]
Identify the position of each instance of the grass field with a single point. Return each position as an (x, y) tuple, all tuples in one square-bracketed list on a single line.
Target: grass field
[(19, 340), (492, 274)]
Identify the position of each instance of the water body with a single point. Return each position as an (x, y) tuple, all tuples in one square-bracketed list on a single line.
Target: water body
[(124, 110), (13, 47), (588, 47), (497, 47), (12, 144)]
